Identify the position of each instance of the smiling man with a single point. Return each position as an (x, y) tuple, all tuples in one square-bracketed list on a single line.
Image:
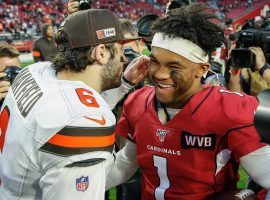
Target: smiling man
[(54, 122), (187, 138)]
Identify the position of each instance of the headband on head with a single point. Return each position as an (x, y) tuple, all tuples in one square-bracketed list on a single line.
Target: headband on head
[(180, 46)]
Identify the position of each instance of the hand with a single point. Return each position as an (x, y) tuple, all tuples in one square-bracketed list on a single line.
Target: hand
[(137, 70), (73, 6), (4, 85), (260, 58)]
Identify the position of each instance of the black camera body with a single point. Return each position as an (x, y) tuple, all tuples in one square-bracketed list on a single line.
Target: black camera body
[(177, 4), (85, 4), (242, 57), (12, 72)]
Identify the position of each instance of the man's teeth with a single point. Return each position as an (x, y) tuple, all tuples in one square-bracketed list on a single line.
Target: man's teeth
[(164, 85)]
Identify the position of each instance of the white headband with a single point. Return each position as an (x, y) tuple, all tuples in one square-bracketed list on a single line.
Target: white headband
[(180, 46)]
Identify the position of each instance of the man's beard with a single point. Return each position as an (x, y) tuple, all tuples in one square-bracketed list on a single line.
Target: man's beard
[(110, 75)]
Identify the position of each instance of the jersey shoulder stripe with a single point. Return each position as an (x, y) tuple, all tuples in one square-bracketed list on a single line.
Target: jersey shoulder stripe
[(76, 140)]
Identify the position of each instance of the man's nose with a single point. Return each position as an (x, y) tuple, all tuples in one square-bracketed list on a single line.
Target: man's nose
[(162, 73)]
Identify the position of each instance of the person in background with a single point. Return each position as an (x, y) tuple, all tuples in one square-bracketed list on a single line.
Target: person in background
[(45, 47), (9, 56), (251, 81)]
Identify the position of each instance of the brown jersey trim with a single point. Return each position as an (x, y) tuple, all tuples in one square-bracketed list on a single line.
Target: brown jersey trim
[(65, 151), (86, 131)]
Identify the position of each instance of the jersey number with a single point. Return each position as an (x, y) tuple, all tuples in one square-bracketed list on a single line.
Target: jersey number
[(87, 97), (4, 117), (161, 164)]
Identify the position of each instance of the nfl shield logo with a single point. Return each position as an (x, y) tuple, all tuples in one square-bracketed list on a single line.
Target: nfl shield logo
[(82, 183), (161, 134)]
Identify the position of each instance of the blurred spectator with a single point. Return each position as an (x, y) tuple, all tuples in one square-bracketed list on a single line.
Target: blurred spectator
[(45, 47), (131, 31), (9, 56), (251, 81)]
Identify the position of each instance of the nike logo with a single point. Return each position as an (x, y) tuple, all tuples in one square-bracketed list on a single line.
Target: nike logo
[(99, 121)]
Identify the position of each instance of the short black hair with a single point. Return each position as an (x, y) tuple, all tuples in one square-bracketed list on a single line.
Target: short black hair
[(194, 23)]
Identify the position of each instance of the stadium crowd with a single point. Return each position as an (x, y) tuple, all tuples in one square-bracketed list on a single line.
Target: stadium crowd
[(27, 17)]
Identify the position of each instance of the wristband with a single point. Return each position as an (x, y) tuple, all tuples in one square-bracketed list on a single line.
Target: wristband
[(127, 81), (265, 67)]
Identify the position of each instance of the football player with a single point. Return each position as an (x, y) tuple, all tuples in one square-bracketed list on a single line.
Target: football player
[(188, 138), (57, 131)]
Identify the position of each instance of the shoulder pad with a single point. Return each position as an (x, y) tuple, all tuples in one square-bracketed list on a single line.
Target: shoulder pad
[(138, 101), (238, 107)]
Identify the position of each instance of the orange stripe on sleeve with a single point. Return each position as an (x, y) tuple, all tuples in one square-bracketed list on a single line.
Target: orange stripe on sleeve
[(82, 142)]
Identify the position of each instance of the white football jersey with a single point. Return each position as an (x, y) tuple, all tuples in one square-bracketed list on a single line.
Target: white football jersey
[(57, 138)]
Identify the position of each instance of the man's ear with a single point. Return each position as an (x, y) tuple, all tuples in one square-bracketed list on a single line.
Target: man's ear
[(100, 54), (202, 69)]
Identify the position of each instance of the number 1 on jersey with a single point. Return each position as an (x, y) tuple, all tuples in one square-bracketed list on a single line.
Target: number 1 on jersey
[(161, 164)]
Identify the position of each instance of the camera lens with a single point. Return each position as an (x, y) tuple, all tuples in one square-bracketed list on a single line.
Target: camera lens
[(144, 24), (84, 5)]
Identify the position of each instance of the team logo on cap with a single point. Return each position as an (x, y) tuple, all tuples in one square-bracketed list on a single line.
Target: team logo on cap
[(82, 183), (106, 33)]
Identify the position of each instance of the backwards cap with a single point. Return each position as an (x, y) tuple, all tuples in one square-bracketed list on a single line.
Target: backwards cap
[(92, 27)]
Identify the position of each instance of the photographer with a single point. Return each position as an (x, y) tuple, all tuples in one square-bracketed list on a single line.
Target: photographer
[(251, 81), (9, 56), (75, 5)]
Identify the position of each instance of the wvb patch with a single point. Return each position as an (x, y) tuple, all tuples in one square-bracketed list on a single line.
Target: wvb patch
[(106, 33), (82, 183), (189, 140)]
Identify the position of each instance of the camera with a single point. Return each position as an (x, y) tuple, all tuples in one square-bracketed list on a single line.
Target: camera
[(144, 28), (85, 4), (242, 57), (12, 72), (130, 54), (177, 4), (144, 23)]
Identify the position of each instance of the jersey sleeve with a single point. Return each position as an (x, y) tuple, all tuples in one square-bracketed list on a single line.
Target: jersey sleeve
[(113, 96), (77, 140), (124, 128), (244, 140), (85, 182), (89, 137), (125, 166), (242, 135), (257, 166)]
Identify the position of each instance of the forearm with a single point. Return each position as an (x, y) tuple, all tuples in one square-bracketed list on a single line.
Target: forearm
[(257, 166), (266, 75), (113, 96), (125, 166)]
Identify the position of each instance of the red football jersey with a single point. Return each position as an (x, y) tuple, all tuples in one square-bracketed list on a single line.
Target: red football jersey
[(197, 152)]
